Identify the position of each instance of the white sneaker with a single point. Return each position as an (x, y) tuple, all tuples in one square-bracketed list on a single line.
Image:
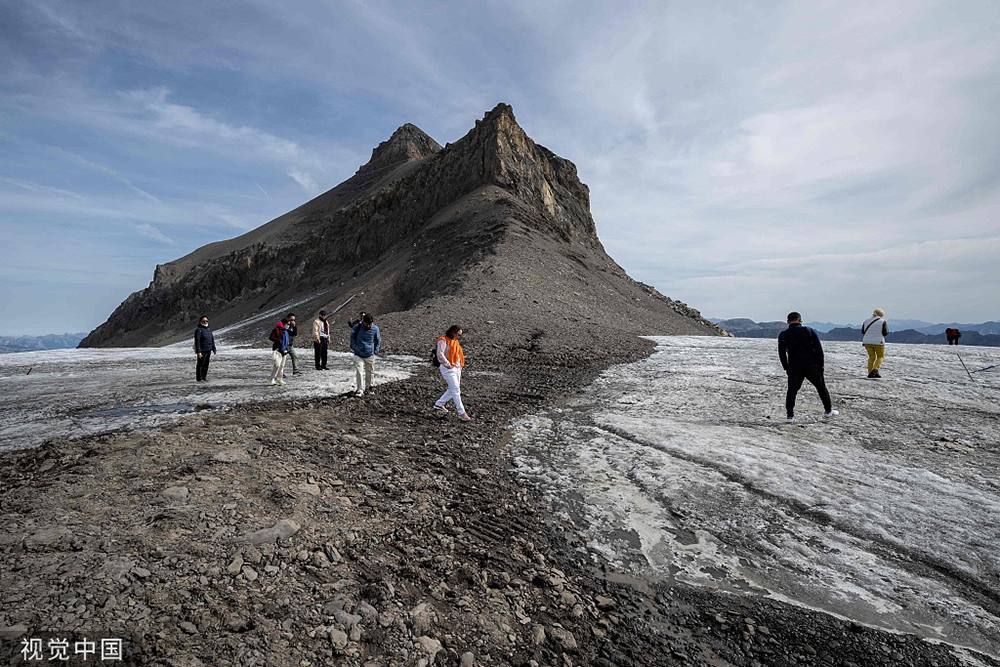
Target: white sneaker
[(464, 417), (273, 383), (789, 420), (359, 394), (441, 408), (281, 383), (831, 414)]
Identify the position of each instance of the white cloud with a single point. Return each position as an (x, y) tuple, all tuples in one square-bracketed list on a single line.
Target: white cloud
[(151, 232), (93, 166), (307, 182), (184, 125)]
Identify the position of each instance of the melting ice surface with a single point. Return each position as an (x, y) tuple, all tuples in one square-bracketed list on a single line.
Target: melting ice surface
[(73, 393), (681, 466)]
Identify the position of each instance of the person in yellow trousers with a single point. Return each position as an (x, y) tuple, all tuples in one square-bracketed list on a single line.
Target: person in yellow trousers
[(873, 333), (452, 360)]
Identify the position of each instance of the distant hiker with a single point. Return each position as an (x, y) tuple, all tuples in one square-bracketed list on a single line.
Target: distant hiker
[(452, 360), (279, 350), (873, 333), (293, 331), (801, 356), (204, 347), (353, 323), (365, 342), (953, 336), (321, 340)]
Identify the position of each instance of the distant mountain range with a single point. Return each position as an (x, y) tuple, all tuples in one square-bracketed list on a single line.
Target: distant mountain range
[(900, 331), (48, 342)]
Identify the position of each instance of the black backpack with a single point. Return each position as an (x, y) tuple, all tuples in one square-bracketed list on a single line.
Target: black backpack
[(435, 362)]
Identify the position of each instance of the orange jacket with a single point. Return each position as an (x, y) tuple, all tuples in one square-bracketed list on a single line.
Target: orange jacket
[(454, 351)]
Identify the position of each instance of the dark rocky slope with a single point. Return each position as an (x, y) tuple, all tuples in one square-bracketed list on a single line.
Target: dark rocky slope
[(493, 232)]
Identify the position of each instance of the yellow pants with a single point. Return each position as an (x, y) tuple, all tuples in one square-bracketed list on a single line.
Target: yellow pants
[(876, 353)]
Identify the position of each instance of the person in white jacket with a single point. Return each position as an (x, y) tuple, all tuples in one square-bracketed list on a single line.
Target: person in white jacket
[(452, 360), (873, 333)]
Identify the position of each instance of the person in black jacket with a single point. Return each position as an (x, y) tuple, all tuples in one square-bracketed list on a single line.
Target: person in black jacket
[(801, 356), (351, 323), (204, 347)]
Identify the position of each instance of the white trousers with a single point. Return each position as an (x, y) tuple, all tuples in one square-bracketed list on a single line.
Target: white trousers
[(453, 376), (364, 372), (278, 371)]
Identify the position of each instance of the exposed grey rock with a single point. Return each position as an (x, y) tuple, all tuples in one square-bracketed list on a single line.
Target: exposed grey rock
[(236, 566), (421, 619), (430, 646), (48, 537), (604, 603), (563, 638), (332, 554), (116, 567), (345, 619), (175, 493), (338, 639), (320, 560), (308, 489), (283, 529), (366, 610), (232, 456)]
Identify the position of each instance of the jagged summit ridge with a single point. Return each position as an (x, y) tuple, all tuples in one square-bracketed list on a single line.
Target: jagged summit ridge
[(533, 173), (408, 142)]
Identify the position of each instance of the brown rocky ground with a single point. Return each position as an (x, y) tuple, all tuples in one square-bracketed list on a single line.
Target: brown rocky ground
[(363, 532)]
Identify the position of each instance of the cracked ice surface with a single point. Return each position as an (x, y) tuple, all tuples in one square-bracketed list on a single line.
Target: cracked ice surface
[(74, 393), (681, 466)]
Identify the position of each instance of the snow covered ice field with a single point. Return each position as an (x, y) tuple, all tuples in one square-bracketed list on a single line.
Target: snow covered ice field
[(73, 393), (681, 466)]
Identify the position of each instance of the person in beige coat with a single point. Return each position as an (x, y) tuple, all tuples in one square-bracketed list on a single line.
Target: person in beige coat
[(321, 339)]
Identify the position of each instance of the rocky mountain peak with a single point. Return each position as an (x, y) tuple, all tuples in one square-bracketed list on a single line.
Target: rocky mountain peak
[(492, 213), (408, 142), (533, 173)]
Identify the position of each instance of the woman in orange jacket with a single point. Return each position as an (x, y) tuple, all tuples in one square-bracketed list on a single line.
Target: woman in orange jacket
[(449, 354)]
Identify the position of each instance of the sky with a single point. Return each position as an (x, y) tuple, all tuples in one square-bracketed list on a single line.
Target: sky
[(745, 158)]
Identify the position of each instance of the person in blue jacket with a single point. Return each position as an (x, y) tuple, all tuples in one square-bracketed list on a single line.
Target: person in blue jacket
[(204, 347), (365, 343)]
